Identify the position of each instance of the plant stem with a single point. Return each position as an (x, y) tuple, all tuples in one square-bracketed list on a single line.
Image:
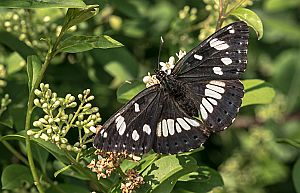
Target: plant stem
[(221, 17), (15, 152), (51, 53)]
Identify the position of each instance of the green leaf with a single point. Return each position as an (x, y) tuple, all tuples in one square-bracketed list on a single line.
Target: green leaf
[(62, 170), (67, 188), (14, 63), (34, 66), (68, 171), (14, 175), (257, 92), (15, 44), (128, 90), (29, 4), (251, 19), (119, 72), (289, 141), (203, 180), (40, 155), (279, 5), (161, 176), (76, 16), (82, 43), (296, 176), (59, 154)]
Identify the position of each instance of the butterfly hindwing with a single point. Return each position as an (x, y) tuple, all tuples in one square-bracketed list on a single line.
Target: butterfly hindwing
[(176, 130), (133, 127)]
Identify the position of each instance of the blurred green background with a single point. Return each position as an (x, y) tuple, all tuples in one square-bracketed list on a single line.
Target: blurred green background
[(250, 156)]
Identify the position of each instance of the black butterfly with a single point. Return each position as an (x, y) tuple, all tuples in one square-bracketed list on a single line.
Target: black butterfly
[(201, 95)]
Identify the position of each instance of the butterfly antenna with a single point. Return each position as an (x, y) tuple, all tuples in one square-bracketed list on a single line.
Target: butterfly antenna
[(160, 47)]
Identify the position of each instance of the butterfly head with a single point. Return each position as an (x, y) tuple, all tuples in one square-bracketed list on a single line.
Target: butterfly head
[(160, 75)]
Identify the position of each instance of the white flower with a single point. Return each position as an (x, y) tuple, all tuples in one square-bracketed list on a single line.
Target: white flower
[(93, 129), (168, 66), (180, 54), (150, 80)]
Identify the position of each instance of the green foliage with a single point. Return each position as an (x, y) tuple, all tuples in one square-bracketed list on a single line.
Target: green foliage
[(68, 49)]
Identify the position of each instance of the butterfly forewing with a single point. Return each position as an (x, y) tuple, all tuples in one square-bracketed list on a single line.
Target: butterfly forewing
[(133, 127), (222, 56), (211, 71)]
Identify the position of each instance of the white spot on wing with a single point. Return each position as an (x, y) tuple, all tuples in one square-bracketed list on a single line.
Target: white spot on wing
[(164, 128), (158, 130), (212, 94), (135, 136), (171, 126), (147, 129), (119, 118), (226, 61), (105, 135), (192, 122), (136, 107), (203, 112), (178, 128), (215, 88), (231, 31), (218, 44), (218, 70), (183, 124), (218, 83), (212, 101), (207, 105), (198, 57), (122, 128)]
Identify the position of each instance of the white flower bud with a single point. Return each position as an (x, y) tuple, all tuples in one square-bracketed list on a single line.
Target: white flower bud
[(37, 124), (80, 96), (54, 95), (87, 106), (44, 137), (55, 128), (76, 149), (57, 120), (46, 86), (72, 105), (37, 102), (68, 97), (90, 98), (56, 104), (38, 93), (63, 146), (71, 99), (49, 130), (84, 147), (95, 109), (93, 129), (36, 135), (42, 120), (30, 132), (69, 147), (48, 94), (56, 138), (44, 105), (87, 91), (63, 140)]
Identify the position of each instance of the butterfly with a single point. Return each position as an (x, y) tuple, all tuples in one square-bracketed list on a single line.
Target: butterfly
[(200, 96)]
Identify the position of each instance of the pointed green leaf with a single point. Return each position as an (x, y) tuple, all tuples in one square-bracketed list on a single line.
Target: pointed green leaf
[(296, 176), (34, 66), (29, 4), (257, 92), (203, 180), (14, 176), (82, 43), (61, 170), (161, 176), (75, 16), (128, 90), (251, 19)]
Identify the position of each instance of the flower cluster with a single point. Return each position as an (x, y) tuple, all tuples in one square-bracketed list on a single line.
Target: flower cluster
[(188, 13), (107, 162), (60, 116), (167, 67), (132, 181), (5, 101)]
